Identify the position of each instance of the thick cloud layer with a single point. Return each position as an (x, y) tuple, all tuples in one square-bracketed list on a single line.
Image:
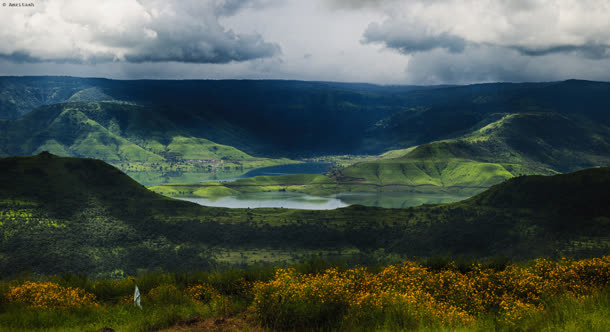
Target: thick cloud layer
[(531, 27), (128, 30), (412, 39), (461, 41), (380, 41)]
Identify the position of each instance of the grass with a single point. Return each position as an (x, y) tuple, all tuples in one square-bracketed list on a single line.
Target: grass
[(203, 149)]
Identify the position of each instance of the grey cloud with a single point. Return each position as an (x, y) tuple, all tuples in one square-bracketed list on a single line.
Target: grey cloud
[(147, 31), (475, 64), (487, 63), (411, 39), (356, 4), (231, 7), (588, 50), (19, 57), (205, 49)]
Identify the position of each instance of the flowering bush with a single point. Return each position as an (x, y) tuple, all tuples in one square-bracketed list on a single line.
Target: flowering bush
[(48, 295), (203, 293), (410, 293)]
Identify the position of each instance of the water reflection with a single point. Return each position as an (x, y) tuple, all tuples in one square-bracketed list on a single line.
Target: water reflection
[(272, 200), (290, 200)]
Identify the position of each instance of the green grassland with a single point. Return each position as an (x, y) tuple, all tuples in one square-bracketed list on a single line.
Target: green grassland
[(82, 215), (117, 133)]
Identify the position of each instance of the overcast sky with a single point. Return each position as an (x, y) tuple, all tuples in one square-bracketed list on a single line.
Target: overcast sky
[(377, 41)]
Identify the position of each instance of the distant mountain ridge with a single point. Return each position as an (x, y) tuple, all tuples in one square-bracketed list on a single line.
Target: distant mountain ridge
[(298, 119), (452, 136)]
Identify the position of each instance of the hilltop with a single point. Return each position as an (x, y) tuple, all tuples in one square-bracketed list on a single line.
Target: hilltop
[(512, 145), (82, 215)]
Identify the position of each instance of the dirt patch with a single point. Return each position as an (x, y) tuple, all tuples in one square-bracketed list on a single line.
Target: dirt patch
[(215, 324)]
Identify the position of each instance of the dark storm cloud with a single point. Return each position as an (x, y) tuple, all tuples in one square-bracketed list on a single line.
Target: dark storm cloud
[(141, 31), (531, 27), (411, 39), (381, 41), (589, 50), (201, 49)]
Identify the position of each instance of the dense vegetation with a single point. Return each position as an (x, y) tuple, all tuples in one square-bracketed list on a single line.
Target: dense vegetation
[(442, 295), (82, 215)]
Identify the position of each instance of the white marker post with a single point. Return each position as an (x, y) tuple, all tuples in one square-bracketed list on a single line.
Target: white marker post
[(136, 298)]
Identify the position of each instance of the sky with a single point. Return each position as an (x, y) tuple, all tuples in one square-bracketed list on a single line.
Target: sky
[(376, 41)]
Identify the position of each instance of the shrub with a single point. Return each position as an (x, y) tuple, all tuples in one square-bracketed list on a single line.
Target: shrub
[(48, 295)]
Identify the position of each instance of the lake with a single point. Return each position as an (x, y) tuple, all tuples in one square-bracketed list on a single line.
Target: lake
[(289, 200), (150, 178), (286, 200), (304, 168)]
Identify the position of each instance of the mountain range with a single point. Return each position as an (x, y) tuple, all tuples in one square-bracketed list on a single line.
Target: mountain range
[(444, 136)]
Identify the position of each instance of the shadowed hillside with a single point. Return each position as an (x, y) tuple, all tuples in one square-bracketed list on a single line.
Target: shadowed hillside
[(301, 119), (81, 215)]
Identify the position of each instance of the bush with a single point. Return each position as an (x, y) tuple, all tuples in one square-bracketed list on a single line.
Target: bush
[(48, 295)]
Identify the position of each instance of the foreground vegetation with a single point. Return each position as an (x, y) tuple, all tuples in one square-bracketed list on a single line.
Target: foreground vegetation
[(541, 294)]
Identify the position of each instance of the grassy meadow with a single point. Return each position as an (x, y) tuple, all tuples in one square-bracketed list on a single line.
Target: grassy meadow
[(438, 294)]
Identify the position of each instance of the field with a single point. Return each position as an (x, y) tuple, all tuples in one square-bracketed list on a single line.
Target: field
[(437, 294)]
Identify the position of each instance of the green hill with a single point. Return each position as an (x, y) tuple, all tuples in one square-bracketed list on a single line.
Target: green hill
[(129, 136), (297, 119), (515, 144), (82, 215)]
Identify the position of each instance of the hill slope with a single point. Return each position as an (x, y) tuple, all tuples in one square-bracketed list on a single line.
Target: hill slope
[(130, 136), (79, 215), (515, 144)]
